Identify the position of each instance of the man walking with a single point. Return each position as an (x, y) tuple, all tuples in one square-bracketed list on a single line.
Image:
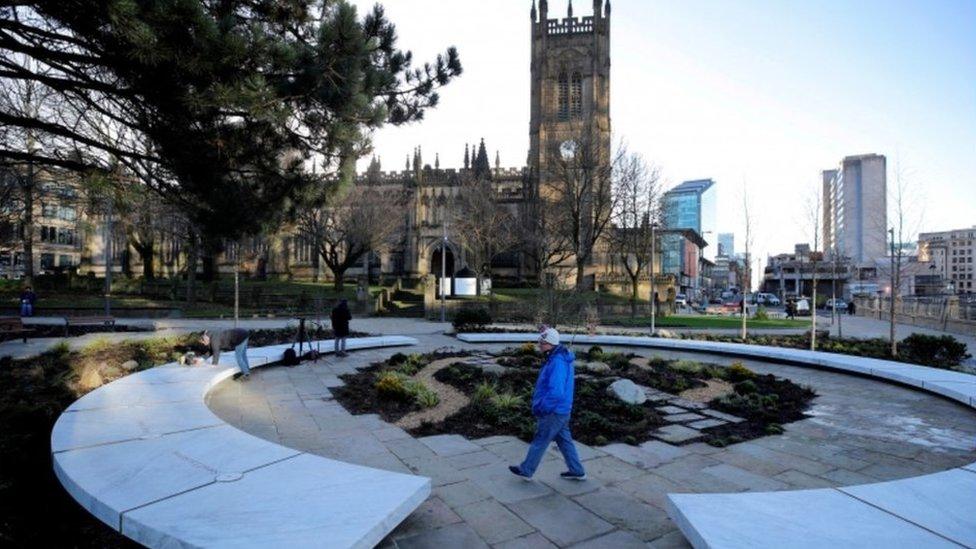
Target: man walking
[(340, 326), (235, 338), (552, 402)]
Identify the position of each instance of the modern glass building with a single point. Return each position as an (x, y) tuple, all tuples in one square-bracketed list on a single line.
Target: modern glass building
[(726, 245), (689, 206)]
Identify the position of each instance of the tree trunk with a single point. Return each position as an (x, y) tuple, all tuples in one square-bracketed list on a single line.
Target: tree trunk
[(338, 284), (146, 253), (191, 271), (28, 227), (633, 295), (579, 276)]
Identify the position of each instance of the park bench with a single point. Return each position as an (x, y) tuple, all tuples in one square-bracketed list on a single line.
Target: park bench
[(13, 325), (70, 321)]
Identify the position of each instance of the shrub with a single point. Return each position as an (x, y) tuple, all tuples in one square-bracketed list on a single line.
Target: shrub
[(600, 440), (506, 401), (391, 385), (761, 314), (411, 365), (746, 387), (774, 429), (526, 349), (594, 353), (939, 351), (471, 319), (738, 372), (424, 396), (690, 367), (484, 391), (398, 358), (617, 361)]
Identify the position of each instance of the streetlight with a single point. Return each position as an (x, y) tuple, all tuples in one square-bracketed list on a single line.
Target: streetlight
[(651, 266)]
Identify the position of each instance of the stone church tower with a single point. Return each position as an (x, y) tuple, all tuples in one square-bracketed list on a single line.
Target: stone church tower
[(570, 81)]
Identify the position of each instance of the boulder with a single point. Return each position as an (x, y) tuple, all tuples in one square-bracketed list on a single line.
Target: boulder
[(130, 365), (598, 367), (668, 334), (90, 379), (627, 391)]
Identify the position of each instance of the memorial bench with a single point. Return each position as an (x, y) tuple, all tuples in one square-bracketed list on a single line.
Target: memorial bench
[(146, 456), (13, 326), (937, 510), (104, 321)]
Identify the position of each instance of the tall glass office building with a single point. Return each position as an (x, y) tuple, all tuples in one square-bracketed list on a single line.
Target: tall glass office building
[(690, 205)]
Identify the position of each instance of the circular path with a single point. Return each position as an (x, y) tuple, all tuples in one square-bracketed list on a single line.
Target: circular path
[(860, 431)]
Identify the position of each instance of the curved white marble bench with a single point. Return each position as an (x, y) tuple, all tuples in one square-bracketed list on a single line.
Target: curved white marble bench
[(147, 456), (937, 510)]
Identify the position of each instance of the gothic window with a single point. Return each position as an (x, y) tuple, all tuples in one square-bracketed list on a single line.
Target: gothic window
[(563, 97), (576, 96)]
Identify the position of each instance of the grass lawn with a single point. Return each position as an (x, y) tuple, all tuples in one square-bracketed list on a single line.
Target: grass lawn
[(704, 322)]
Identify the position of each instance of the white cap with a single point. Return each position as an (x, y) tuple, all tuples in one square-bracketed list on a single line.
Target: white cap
[(550, 336)]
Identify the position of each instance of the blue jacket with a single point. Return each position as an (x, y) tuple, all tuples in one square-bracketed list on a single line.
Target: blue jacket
[(554, 388)]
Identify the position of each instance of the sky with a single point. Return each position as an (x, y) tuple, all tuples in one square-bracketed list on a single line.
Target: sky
[(759, 95)]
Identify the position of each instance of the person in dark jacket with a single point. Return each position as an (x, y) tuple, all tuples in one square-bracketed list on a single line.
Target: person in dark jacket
[(225, 340), (850, 307), (27, 299), (552, 403), (340, 326)]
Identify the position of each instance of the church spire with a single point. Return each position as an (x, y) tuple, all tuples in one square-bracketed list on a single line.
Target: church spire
[(606, 10), (498, 160), (569, 12), (533, 12), (437, 161), (467, 157)]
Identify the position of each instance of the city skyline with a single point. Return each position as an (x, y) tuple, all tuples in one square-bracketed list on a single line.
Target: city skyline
[(774, 108)]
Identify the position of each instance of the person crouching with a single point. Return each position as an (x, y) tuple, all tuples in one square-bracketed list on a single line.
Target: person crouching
[(225, 340)]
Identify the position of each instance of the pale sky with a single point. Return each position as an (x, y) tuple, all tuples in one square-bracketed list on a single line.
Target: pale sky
[(768, 92)]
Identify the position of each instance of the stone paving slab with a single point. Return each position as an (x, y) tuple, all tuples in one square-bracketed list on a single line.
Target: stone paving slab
[(706, 424), (363, 505), (532, 541), (807, 518), (624, 511), (944, 502), (449, 445), (683, 418), (676, 433), (454, 535), (671, 410), (492, 521), (722, 415), (560, 519), (617, 540)]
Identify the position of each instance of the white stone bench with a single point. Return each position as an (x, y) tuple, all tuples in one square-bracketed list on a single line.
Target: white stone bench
[(146, 456), (937, 510)]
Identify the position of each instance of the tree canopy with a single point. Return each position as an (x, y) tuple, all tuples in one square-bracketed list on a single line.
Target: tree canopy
[(221, 107)]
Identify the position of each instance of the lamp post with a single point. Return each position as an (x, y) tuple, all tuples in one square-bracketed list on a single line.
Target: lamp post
[(440, 283), (651, 266)]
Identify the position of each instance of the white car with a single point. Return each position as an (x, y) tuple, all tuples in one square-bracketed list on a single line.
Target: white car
[(680, 300), (838, 302), (767, 299)]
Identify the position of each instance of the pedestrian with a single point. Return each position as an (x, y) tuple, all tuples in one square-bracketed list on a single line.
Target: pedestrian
[(234, 338), (27, 300), (552, 403), (790, 309), (340, 326), (850, 308)]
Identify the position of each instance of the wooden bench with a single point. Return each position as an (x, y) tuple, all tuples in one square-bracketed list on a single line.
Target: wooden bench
[(14, 325), (88, 321)]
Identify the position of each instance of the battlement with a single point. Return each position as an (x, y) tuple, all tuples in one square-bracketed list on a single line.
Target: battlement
[(430, 174), (569, 25)]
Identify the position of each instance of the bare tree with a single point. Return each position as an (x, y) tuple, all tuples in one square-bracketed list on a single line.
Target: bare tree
[(578, 185), (483, 223), (814, 212), (747, 271), (354, 223), (638, 189), (542, 237)]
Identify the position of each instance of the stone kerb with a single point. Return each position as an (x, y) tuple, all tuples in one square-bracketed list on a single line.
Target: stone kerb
[(146, 456), (934, 510)]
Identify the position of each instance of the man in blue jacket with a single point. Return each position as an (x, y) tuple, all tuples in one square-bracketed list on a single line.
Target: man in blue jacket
[(552, 403)]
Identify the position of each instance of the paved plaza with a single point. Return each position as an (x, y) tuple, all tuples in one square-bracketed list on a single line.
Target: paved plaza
[(860, 431)]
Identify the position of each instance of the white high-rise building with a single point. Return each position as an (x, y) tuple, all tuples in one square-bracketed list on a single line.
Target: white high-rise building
[(855, 211)]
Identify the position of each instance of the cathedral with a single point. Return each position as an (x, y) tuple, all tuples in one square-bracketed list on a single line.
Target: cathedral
[(570, 88)]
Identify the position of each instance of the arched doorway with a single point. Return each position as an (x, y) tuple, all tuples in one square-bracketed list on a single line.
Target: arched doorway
[(435, 262)]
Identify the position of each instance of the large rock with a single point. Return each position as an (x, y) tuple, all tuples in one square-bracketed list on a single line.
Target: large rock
[(627, 391), (669, 334), (90, 378), (598, 367), (130, 365)]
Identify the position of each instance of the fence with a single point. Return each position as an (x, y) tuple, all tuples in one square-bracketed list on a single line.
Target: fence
[(949, 313)]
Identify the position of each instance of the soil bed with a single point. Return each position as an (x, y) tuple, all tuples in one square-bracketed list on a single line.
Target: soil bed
[(500, 393)]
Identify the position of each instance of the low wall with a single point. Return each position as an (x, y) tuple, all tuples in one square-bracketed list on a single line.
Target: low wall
[(946, 314)]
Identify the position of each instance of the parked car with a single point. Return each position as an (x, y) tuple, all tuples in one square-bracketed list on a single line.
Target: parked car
[(764, 298), (680, 300), (802, 307), (838, 302)]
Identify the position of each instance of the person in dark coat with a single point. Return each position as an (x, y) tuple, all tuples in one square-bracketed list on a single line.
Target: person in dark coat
[(340, 326), (27, 299), (225, 340), (850, 307)]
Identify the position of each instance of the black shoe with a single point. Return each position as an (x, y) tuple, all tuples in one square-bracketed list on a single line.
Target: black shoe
[(238, 375), (572, 476), (517, 471)]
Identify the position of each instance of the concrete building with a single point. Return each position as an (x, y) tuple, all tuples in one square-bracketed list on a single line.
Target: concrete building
[(792, 274), (855, 208), (952, 256), (726, 245)]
